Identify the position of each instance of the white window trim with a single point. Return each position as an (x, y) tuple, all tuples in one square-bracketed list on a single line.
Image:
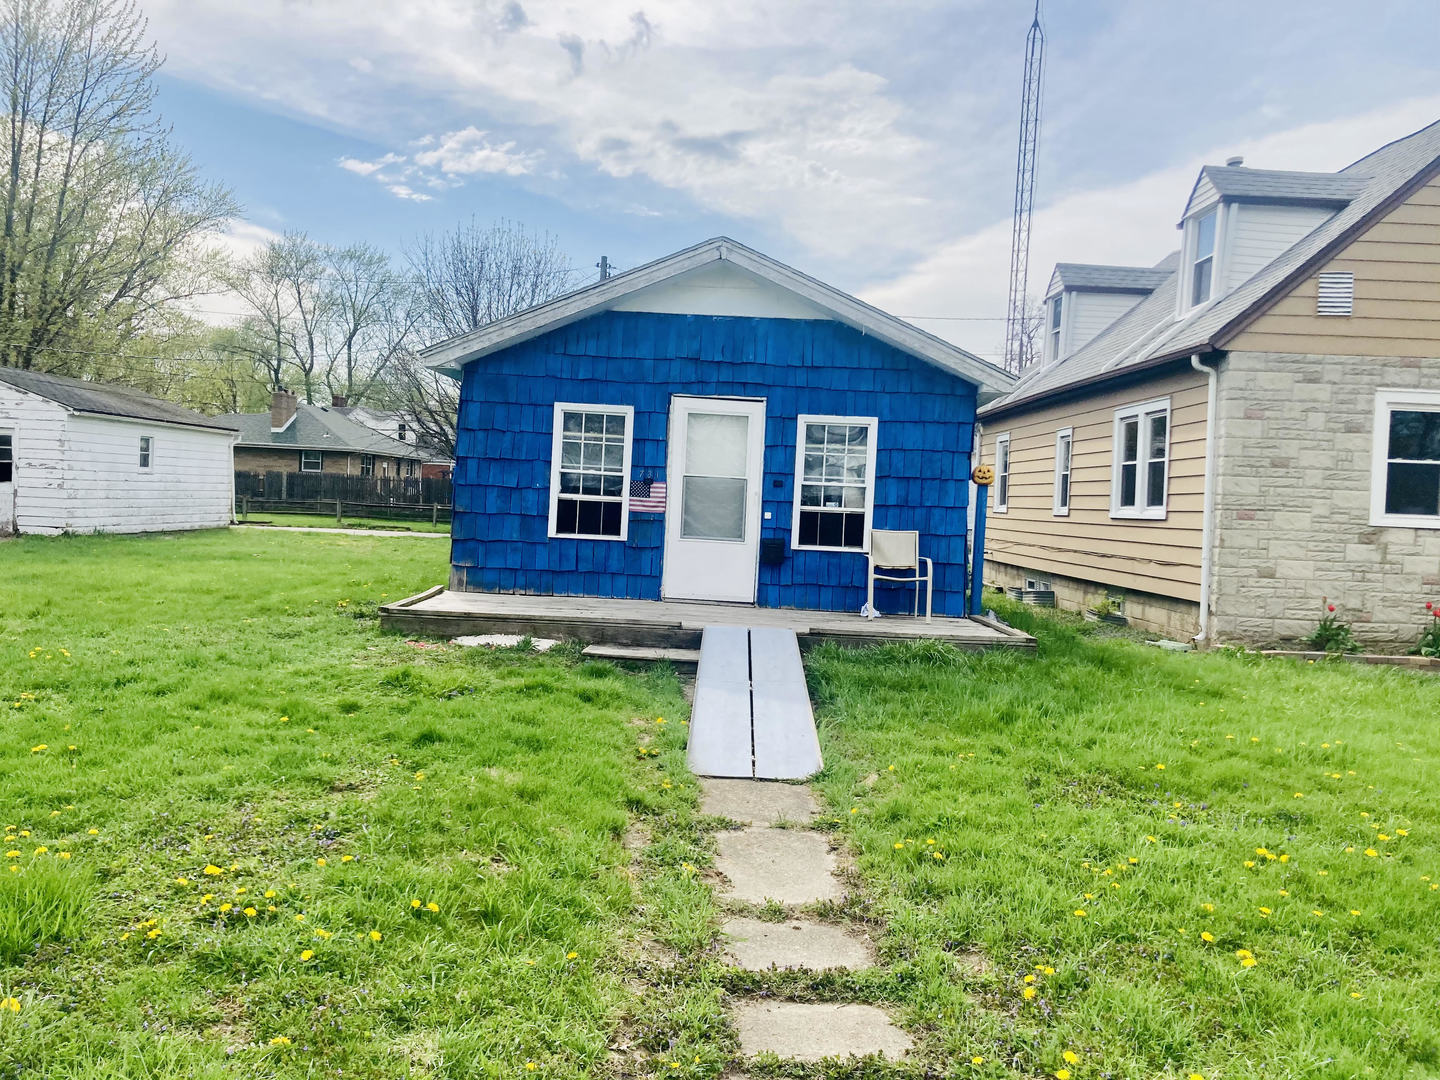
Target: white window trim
[(1140, 512), (147, 452), (1055, 335), (557, 424), (871, 422), (1218, 268), (1057, 508), (1387, 401), (320, 456), (1002, 507)]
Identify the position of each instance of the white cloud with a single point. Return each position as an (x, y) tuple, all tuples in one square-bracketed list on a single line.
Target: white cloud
[(470, 151), (401, 191), (366, 168), (1124, 224)]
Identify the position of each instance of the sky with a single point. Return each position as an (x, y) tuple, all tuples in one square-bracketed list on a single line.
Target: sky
[(869, 144)]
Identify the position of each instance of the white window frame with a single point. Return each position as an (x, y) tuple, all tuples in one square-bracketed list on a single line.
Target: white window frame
[(1002, 475), (1140, 511), (14, 437), (1189, 238), (870, 422), (557, 436), (367, 465), (1386, 402), (319, 461), (1055, 324), (147, 451), (1065, 436)]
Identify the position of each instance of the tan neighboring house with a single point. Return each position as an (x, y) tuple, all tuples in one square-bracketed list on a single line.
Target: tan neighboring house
[(1219, 442), (294, 437)]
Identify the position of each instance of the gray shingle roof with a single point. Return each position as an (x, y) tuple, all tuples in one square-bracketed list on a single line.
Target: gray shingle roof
[(1106, 278), (1238, 182), (105, 399), (1150, 334), (316, 427)]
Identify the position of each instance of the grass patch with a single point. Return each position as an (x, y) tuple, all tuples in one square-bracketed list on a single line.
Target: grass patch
[(1080, 851), (294, 839), (327, 521)]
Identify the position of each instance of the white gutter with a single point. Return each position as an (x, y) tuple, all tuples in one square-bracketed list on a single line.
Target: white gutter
[(1207, 526)]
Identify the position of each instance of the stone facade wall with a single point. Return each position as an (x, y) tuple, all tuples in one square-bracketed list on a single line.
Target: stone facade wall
[(1293, 502), (1178, 620)]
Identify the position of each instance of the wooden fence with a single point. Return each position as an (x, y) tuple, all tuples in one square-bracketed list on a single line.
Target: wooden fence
[(339, 496)]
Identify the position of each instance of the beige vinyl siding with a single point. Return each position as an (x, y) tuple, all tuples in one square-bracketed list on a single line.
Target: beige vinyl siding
[(1396, 263), (1160, 557)]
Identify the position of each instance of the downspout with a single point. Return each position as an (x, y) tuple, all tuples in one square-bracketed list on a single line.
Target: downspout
[(1207, 520)]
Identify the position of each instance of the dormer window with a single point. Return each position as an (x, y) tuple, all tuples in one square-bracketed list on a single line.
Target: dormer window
[(1202, 258), (1054, 331)]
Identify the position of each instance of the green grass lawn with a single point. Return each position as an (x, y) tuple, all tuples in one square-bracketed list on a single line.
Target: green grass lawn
[(228, 791), (1164, 864), (324, 521), (232, 802)]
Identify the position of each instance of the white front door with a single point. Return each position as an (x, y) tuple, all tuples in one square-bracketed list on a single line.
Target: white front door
[(7, 481), (712, 504)]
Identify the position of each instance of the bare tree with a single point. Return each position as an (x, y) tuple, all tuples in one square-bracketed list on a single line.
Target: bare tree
[(1032, 339), (465, 278), (100, 211), (371, 314)]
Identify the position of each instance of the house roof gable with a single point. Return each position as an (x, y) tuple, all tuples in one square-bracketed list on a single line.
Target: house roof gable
[(315, 427), (452, 355)]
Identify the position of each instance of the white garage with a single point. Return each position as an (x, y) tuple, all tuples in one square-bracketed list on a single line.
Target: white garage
[(80, 456)]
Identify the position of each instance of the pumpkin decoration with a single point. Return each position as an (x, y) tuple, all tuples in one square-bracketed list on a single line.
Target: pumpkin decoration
[(984, 475)]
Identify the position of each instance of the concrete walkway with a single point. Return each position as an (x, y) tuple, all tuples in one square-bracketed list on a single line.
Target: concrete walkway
[(764, 864), (342, 532)]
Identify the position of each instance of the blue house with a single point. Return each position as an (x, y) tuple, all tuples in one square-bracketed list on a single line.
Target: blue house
[(712, 426)]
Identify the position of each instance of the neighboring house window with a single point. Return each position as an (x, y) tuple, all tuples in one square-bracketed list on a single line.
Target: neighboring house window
[(1064, 443), (310, 461), (1141, 460), (7, 457), (589, 461), (409, 468), (1202, 258), (401, 431), (367, 464), (1002, 473), (835, 490), (1055, 313), (1405, 483), (146, 443)]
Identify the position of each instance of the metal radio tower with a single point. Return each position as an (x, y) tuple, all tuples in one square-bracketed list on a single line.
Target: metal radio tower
[(1017, 342)]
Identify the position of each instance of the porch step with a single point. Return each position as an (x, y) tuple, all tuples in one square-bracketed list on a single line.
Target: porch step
[(682, 659), (751, 717)]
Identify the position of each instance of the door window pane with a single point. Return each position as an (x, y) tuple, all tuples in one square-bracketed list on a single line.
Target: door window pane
[(713, 508), (715, 444)]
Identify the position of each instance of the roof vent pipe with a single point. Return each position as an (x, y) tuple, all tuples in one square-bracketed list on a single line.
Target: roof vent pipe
[(1234, 162)]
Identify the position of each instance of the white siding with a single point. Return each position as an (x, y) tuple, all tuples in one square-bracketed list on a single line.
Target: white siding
[(1255, 234), (39, 428), (722, 289), (1205, 196), (1086, 314)]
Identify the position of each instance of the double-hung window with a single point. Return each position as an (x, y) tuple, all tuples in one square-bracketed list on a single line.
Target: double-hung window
[(1054, 329), (1141, 460), (589, 463), (1064, 444), (7, 457), (1002, 473), (367, 464), (147, 446), (835, 492), (310, 461), (1405, 476), (1202, 257)]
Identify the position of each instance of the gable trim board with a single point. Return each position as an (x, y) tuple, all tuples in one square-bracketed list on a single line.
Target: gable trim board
[(451, 356)]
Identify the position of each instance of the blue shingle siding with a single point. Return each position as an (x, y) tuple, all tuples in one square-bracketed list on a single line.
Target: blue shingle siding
[(502, 478)]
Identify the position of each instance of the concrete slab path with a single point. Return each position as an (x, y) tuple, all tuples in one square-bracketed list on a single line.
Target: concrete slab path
[(809, 1032), (755, 802), (785, 865), (795, 944)]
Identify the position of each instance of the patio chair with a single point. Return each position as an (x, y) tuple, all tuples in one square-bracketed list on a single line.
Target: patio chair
[(892, 550)]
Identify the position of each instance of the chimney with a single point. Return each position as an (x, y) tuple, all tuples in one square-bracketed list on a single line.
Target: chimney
[(338, 401), (1234, 162), (282, 409)]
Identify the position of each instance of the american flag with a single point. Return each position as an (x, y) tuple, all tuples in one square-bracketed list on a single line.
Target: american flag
[(647, 496)]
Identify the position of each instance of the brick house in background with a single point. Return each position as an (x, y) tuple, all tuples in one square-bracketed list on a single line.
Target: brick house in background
[(402, 428), (1220, 441), (294, 437)]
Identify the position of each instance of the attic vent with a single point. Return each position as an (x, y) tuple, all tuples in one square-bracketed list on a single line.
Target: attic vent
[(1336, 293)]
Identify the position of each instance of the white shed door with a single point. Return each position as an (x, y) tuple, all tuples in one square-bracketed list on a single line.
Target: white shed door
[(712, 511), (7, 481)]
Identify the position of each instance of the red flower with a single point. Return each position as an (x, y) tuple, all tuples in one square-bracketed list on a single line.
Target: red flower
[(1429, 605), (1330, 607)]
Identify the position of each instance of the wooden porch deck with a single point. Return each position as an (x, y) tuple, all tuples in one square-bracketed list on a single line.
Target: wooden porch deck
[(439, 612)]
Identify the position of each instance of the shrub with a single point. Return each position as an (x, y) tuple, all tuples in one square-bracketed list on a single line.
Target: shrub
[(1332, 634), (1429, 643)]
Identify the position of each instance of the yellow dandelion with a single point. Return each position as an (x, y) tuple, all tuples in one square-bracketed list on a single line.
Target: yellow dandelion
[(320, 861), (1079, 913), (347, 858), (1207, 937), (11, 1003), (307, 954), (213, 870), (1208, 907), (1370, 852), (1318, 913), (1354, 911), (280, 1040), (375, 935), (1248, 962), (1071, 1058), (977, 1060), (1265, 912), (1062, 1074), (93, 832), (1160, 766), (432, 906), (1029, 993), (414, 903)]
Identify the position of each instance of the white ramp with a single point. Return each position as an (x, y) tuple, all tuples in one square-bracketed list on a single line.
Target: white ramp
[(751, 716)]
